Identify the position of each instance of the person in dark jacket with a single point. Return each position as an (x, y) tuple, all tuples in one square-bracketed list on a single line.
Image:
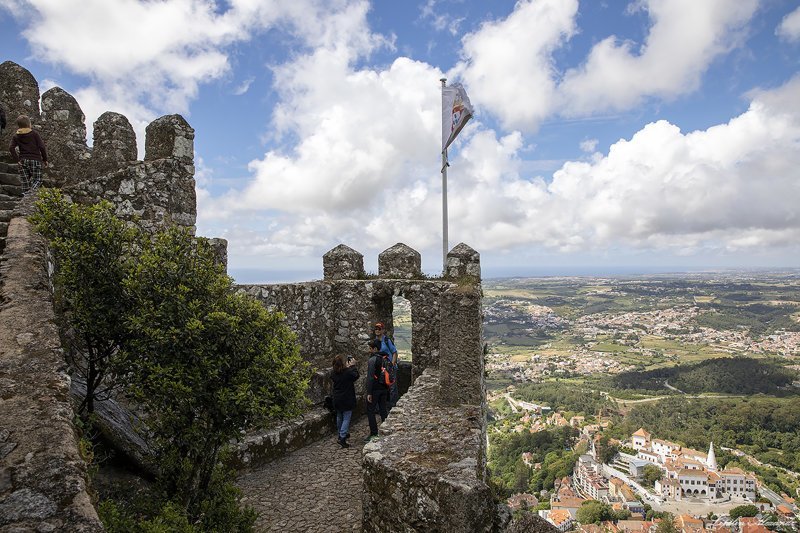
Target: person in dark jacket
[(32, 154), (2, 119), (377, 391), (344, 377)]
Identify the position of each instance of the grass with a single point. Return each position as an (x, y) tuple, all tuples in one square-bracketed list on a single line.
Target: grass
[(610, 347)]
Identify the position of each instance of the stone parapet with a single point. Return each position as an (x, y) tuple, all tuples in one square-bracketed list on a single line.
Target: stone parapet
[(342, 262), (426, 472), (19, 95), (169, 137), (263, 446), (63, 130), (462, 261), (400, 262), (151, 193), (114, 145), (461, 355), (43, 477)]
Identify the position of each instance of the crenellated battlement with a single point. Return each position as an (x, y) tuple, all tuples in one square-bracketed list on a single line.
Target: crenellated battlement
[(156, 191)]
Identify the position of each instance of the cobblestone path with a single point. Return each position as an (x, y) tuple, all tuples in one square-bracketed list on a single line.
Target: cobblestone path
[(314, 489)]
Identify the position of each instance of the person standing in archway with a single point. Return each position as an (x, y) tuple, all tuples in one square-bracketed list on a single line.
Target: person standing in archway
[(387, 346), (376, 389)]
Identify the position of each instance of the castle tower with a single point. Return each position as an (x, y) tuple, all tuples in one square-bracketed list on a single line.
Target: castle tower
[(711, 460)]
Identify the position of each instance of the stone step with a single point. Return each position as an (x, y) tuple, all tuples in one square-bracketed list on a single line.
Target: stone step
[(5, 215), (9, 168), (3, 229), (7, 178), (8, 205), (11, 190)]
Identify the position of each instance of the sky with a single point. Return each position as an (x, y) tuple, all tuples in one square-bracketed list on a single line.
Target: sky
[(608, 136)]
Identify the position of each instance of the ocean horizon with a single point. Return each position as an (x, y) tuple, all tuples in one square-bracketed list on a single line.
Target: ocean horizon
[(256, 276)]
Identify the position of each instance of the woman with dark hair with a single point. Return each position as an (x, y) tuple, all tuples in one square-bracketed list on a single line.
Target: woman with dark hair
[(344, 376)]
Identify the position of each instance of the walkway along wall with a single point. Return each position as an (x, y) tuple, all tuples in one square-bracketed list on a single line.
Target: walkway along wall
[(43, 477), (427, 470)]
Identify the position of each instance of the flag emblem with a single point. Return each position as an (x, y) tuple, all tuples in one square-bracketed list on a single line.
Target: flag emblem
[(456, 111)]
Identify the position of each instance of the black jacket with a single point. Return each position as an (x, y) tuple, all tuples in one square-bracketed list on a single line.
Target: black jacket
[(2, 118), (373, 365), (344, 390)]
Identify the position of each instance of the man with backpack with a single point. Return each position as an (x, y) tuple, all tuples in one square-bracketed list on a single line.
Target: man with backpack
[(378, 383), (388, 346)]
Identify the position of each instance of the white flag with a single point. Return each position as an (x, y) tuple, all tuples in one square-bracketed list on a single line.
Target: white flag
[(456, 111)]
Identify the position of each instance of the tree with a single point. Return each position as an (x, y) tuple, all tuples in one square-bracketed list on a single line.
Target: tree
[(743, 510), (594, 512), (92, 253), (605, 451), (667, 524), (652, 473), (522, 475), (205, 363)]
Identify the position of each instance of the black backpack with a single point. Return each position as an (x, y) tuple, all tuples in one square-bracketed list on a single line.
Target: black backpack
[(383, 370)]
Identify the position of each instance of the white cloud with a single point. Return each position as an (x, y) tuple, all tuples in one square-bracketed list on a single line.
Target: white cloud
[(360, 132), (243, 87), (509, 68), (440, 21), (686, 36), (589, 145), (789, 28), (144, 58), (510, 71)]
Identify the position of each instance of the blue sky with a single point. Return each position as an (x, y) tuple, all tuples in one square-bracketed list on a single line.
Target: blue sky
[(649, 135)]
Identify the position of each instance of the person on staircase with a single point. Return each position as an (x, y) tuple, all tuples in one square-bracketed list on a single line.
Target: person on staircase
[(344, 376), (2, 118), (28, 150)]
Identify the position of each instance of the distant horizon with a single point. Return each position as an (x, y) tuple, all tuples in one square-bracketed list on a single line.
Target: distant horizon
[(257, 276)]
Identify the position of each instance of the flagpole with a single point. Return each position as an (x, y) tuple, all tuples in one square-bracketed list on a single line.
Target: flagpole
[(444, 192)]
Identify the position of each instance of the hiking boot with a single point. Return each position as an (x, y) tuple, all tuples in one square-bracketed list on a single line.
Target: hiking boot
[(343, 443)]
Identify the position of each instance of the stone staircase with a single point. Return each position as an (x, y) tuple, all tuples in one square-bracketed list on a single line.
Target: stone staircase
[(10, 194)]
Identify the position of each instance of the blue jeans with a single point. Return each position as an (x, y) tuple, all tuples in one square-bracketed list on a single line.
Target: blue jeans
[(343, 422)]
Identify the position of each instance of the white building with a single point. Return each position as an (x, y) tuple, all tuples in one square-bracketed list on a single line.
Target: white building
[(691, 474)]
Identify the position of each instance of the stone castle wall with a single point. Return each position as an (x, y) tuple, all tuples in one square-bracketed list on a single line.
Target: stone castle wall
[(43, 476)]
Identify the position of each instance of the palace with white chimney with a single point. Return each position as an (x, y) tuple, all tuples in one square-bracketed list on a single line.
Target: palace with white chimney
[(691, 474)]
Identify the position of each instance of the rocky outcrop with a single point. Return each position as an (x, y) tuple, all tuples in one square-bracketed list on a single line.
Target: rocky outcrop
[(43, 477)]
